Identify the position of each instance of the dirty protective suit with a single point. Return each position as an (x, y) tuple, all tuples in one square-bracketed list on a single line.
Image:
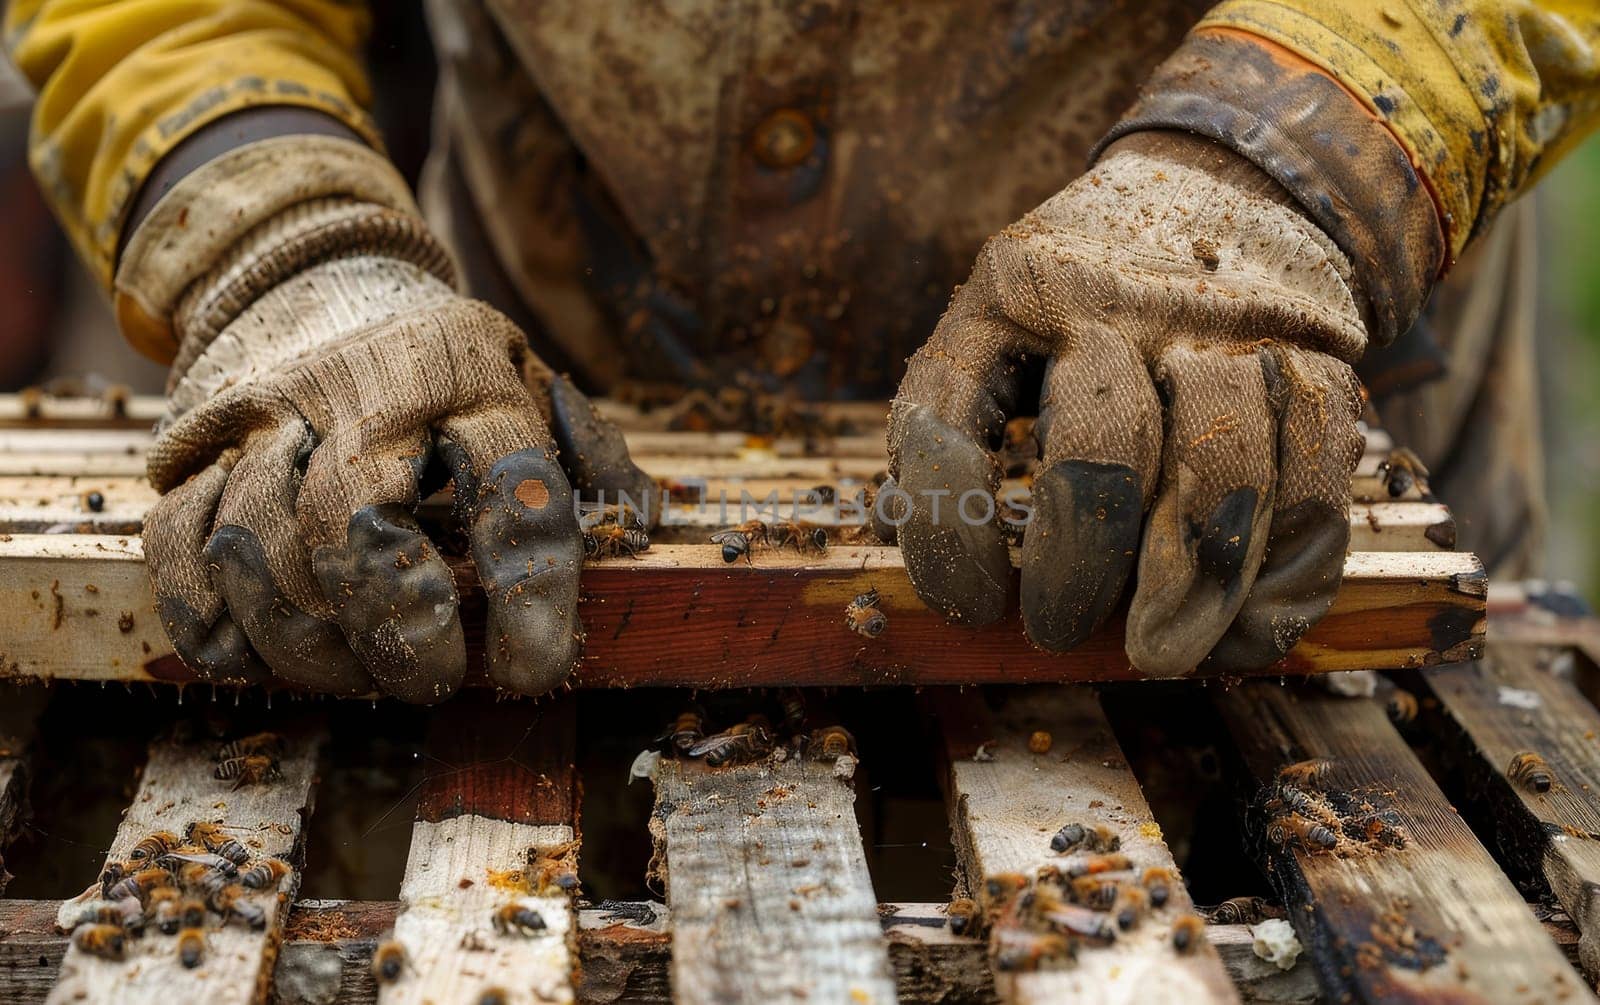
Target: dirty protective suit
[(782, 196)]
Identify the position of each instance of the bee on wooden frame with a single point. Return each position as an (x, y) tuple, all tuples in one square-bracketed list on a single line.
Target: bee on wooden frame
[(252, 769), (686, 731), (517, 919), (864, 617), (1090, 837), (1529, 770), (1018, 950), (753, 535), (233, 901), (191, 947), (212, 838), (747, 741), (389, 962), (108, 942), (1402, 471), (831, 743), (609, 533), (1188, 932), (264, 875), (256, 744), (1306, 774), (153, 845), (1293, 829)]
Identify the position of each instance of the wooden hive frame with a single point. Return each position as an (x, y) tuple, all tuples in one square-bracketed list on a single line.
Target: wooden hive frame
[(766, 891)]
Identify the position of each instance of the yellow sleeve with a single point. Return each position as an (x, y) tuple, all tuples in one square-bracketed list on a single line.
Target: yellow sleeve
[(122, 82), (1483, 94)]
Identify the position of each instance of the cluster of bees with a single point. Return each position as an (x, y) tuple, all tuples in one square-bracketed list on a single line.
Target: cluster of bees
[(1304, 814), (612, 532), (173, 885), (758, 535), (1093, 897), (250, 760), (754, 738)]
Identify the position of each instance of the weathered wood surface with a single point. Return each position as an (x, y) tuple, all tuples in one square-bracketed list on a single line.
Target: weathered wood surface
[(768, 885), (1005, 804), (79, 607), (19, 722), (502, 798), (1503, 706), (177, 788), (1433, 920), (57, 505)]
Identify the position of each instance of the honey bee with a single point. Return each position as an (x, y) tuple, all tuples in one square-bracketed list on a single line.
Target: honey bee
[(1307, 774), (793, 702), (1530, 771), (94, 501), (212, 838), (264, 874), (1001, 888), (191, 947), (127, 913), (1402, 707), (738, 542), (1077, 920), (255, 745), (493, 996), (1017, 950), (388, 962), (138, 884), (1095, 837), (1131, 905), (232, 902), (113, 874), (1402, 470), (1093, 865), (517, 919), (965, 918), (1158, 882), (201, 877), (154, 846), (108, 942), (1187, 933), (251, 769), (163, 905), (831, 743), (178, 861), (748, 741), (1241, 911), (1294, 829), (192, 913), (688, 730), (1096, 892), (863, 615), (613, 541)]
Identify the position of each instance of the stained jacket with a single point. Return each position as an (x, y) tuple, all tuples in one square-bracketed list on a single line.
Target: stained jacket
[(784, 191)]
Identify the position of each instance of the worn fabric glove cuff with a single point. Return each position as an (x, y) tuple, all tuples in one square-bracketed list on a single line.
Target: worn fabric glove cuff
[(1343, 166), (235, 202)]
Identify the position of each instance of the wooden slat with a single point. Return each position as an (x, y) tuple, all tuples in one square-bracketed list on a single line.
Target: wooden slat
[(79, 607), (768, 885), (34, 410), (1433, 920), (1499, 708), (19, 723), (177, 788), (327, 952), (31, 505), (502, 793), (1004, 811)]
